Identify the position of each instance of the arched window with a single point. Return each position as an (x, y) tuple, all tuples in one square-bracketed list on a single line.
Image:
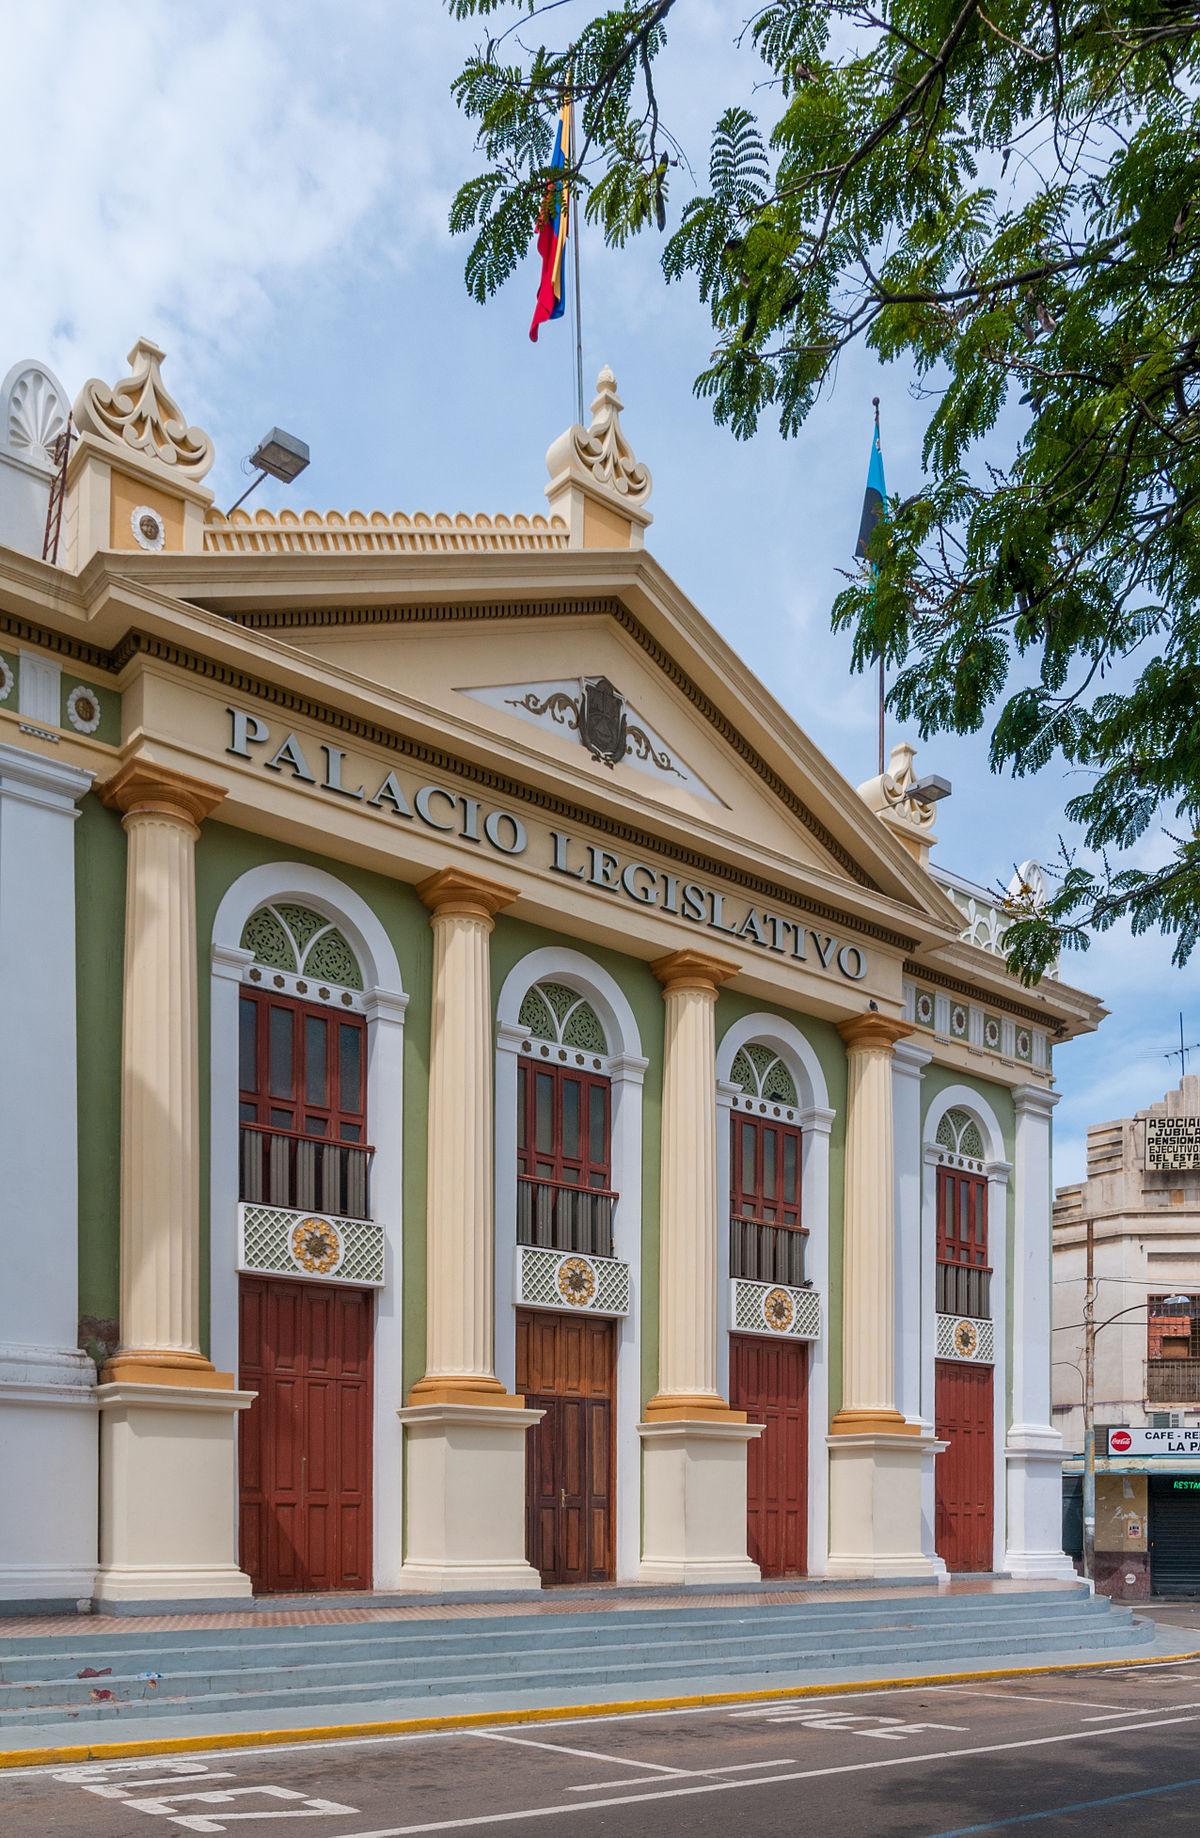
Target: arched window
[(302, 1067), (766, 1237), (963, 1271), (564, 1125)]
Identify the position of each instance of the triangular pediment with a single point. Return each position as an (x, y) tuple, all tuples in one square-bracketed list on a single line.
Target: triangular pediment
[(610, 728)]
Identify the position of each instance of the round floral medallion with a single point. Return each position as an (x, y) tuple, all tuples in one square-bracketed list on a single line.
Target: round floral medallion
[(966, 1340), (7, 679), (925, 1009), (576, 1281), (779, 1311), (1024, 1043), (991, 1033), (149, 530), (958, 1019), (83, 708), (316, 1246)]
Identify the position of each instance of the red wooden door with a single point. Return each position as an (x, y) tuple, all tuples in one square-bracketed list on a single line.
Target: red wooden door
[(768, 1379), (305, 1442), (566, 1366), (963, 1410)]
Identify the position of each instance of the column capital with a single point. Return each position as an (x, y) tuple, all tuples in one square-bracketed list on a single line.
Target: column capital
[(1034, 1100), (455, 891), (691, 969), (864, 1032), (142, 786)]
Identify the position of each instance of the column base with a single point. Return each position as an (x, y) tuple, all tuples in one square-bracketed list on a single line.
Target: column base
[(694, 1495), (48, 1501), (1033, 1458), (875, 1504), (465, 1497), (168, 1499)]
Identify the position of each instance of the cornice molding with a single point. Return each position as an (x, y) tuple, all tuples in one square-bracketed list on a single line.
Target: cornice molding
[(143, 644)]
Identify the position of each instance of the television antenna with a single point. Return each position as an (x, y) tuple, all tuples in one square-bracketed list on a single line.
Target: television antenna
[(1181, 1052)]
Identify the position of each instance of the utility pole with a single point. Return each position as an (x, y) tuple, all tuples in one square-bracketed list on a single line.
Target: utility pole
[(1089, 1410)]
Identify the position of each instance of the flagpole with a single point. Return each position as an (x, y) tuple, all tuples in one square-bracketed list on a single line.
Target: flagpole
[(578, 319), (882, 760)]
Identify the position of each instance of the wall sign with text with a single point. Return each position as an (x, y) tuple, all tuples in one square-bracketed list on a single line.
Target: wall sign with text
[(1173, 1143), (322, 768)]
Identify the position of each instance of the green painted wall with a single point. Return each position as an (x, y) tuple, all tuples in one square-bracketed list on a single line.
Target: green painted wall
[(224, 854), (513, 940), (99, 970), (827, 1043)]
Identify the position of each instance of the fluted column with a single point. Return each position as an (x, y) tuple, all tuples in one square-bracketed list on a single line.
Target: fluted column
[(687, 1358), (869, 1256), (160, 1112), (459, 1364)]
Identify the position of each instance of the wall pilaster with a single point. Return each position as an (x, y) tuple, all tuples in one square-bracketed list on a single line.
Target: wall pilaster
[(47, 1386), (1033, 1447)]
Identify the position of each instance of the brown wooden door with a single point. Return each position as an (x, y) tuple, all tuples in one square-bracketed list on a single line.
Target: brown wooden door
[(768, 1379), (305, 1442), (566, 1366), (963, 1411)]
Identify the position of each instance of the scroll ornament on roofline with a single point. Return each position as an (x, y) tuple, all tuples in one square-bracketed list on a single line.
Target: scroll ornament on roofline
[(140, 413), (598, 715)]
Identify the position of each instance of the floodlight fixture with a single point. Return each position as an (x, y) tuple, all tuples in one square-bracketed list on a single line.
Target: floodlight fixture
[(929, 790), (278, 454)]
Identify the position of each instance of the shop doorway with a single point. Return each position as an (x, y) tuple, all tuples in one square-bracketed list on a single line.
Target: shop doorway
[(1174, 1535), (768, 1379), (305, 1443), (566, 1366), (964, 1484)]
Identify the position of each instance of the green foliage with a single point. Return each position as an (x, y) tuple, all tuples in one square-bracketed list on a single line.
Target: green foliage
[(1004, 197)]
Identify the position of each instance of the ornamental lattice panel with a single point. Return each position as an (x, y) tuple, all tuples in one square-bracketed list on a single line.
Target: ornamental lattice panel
[(273, 1241), (963, 1337), (775, 1308), (567, 1279)]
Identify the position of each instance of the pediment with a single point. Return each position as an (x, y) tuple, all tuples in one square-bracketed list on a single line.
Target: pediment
[(610, 728)]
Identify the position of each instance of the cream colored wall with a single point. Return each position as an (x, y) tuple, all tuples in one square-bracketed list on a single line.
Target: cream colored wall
[(431, 663)]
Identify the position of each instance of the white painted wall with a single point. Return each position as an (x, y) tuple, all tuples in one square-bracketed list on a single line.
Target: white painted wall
[(48, 1429)]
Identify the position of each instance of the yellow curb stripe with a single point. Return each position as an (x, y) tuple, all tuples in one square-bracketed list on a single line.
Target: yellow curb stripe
[(415, 1726)]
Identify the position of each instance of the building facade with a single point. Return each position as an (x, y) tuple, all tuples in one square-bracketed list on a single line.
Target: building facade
[(485, 1104), (1135, 1221)]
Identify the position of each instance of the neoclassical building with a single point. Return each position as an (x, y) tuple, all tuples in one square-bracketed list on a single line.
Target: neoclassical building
[(484, 1103)]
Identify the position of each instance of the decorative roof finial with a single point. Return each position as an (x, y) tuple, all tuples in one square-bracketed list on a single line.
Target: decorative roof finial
[(594, 468), (139, 413)]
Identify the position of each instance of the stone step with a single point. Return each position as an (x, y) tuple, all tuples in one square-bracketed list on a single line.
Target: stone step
[(438, 1677)]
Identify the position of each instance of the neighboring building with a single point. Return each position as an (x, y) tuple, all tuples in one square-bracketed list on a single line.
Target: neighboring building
[(451, 1010), (1141, 1200)]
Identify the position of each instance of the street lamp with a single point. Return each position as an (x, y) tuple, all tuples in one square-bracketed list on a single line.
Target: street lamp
[(281, 455)]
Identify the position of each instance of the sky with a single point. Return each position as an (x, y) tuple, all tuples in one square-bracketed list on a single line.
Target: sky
[(263, 190)]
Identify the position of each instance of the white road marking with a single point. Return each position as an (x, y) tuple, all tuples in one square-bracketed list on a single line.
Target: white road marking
[(671, 1791), (732, 1767), (559, 1748), (1027, 1697), (167, 1806)]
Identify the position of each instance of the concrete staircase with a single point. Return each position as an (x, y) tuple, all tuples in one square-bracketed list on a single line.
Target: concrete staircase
[(91, 1677)]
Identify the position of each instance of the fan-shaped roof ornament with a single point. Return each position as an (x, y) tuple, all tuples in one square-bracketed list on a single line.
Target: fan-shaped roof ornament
[(140, 413)]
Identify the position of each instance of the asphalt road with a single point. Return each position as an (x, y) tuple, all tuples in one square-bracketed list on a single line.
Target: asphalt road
[(1087, 1753)]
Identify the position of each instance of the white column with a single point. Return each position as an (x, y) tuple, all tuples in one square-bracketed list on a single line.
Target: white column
[(465, 1435), (1033, 1450), (385, 1011), (48, 1437), (694, 1444), (168, 1459), (876, 1456)]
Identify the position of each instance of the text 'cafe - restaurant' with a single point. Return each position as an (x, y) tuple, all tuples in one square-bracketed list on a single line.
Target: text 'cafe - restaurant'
[(500, 1109)]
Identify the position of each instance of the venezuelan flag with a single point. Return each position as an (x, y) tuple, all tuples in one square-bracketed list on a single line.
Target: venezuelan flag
[(552, 233)]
